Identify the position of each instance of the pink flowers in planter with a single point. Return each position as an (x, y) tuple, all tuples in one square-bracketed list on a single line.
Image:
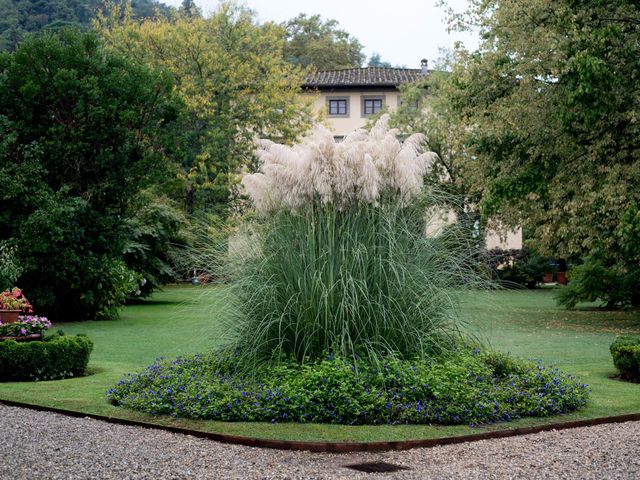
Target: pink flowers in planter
[(14, 300)]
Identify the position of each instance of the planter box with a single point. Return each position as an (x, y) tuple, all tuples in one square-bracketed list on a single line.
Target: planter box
[(24, 338)]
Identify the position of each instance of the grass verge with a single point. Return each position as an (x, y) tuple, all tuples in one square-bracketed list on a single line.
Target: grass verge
[(181, 320)]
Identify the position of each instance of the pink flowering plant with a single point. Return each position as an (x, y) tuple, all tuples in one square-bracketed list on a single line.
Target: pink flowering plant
[(26, 325), (13, 299)]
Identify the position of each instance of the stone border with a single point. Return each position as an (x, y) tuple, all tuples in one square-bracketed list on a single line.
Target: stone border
[(337, 447)]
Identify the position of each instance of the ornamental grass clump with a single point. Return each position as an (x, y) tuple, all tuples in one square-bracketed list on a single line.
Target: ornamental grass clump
[(349, 252)]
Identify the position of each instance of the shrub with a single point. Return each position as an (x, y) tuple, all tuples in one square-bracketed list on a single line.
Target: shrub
[(461, 388), (348, 253), (82, 132), (625, 351), (517, 267), (55, 357), (595, 280)]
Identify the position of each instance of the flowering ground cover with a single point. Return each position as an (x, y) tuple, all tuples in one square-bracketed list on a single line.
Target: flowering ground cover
[(469, 386)]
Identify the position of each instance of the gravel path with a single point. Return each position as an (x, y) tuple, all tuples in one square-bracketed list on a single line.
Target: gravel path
[(42, 445)]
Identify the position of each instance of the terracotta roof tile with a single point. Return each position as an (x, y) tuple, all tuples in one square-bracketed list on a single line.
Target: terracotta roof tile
[(369, 76)]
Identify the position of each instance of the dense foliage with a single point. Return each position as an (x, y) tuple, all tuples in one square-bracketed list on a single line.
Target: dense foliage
[(425, 108), (82, 132), (20, 17), (10, 268), (230, 72), (594, 280), (320, 44), (59, 356), (517, 267), (551, 102), (625, 351), (468, 387)]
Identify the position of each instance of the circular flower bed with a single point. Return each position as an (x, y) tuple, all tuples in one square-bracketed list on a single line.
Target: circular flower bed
[(465, 387)]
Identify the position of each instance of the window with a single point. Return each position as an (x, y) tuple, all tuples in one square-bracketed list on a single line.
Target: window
[(372, 105), (338, 106)]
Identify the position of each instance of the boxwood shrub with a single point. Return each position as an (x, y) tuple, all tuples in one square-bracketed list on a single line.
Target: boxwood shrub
[(56, 357), (473, 387), (625, 351)]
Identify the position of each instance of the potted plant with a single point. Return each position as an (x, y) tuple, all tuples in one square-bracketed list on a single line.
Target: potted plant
[(28, 327), (12, 303), (561, 276)]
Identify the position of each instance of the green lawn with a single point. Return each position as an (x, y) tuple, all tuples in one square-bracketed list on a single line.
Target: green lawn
[(182, 319)]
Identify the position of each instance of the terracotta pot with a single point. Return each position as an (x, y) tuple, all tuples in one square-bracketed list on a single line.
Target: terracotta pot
[(561, 278), (547, 277), (9, 316)]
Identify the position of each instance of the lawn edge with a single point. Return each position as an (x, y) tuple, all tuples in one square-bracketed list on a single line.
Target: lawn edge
[(335, 447)]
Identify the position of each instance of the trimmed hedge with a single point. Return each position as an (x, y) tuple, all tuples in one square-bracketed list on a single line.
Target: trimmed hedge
[(55, 357), (625, 351)]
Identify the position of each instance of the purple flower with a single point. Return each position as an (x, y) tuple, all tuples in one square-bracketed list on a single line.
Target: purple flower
[(23, 331)]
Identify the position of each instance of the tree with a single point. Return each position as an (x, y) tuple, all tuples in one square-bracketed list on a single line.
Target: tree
[(82, 132), (232, 77), (551, 102), (425, 108), (321, 45), (21, 17), (376, 61), (190, 9)]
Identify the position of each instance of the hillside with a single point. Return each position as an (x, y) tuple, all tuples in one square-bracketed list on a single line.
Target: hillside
[(20, 17)]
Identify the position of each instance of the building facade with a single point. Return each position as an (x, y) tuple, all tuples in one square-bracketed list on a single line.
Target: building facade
[(348, 97)]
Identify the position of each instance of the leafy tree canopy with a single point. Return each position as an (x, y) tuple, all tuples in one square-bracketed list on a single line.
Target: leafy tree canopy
[(376, 61), (320, 44), (82, 132), (231, 74), (425, 108), (20, 17), (551, 105)]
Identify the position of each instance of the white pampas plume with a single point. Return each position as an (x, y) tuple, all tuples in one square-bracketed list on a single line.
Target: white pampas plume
[(369, 181), (409, 167), (257, 187), (359, 169), (356, 136), (381, 128)]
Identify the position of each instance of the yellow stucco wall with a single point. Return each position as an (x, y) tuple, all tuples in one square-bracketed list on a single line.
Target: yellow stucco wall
[(341, 126), (511, 240)]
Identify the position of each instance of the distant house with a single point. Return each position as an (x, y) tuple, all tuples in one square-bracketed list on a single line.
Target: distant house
[(349, 96)]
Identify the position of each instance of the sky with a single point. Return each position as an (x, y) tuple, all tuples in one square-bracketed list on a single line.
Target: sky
[(402, 31)]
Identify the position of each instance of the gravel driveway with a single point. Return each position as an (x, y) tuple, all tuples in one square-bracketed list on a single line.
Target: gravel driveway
[(42, 445)]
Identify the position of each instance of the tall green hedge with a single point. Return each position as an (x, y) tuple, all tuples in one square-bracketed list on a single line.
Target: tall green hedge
[(55, 357)]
